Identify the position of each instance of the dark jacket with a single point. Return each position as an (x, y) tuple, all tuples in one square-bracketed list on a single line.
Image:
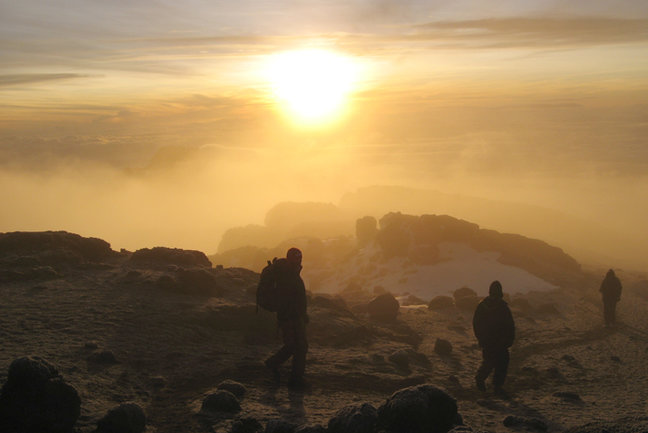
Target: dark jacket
[(292, 292), (493, 323), (611, 288)]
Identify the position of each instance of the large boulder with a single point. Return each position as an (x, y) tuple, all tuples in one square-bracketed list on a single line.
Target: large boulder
[(463, 292), (383, 308), (418, 409), (163, 257), (360, 418), (36, 399), (125, 418)]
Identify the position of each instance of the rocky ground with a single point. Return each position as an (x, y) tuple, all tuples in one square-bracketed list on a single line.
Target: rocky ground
[(164, 335)]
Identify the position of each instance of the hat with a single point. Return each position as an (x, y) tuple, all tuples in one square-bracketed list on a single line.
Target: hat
[(294, 255), (495, 289)]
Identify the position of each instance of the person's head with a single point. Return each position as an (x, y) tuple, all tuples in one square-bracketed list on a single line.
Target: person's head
[(294, 256), (495, 290), (610, 273)]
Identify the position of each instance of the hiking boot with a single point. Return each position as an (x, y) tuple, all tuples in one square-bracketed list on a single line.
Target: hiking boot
[(274, 370), (481, 385)]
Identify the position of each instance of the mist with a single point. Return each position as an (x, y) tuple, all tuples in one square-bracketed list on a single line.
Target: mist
[(136, 187)]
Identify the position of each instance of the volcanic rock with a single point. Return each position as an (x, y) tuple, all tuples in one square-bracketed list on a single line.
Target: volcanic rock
[(418, 409), (383, 308), (35, 399), (359, 418), (125, 418)]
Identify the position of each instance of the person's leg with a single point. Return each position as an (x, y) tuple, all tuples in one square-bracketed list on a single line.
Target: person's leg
[(286, 351), (608, 312), (501, 368), (484, 369), (299, 355)]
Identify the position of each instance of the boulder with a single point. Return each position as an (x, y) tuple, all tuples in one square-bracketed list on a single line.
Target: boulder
[(383, 308), (360, 418), (125, 418), (36, 399), (568, 396), (464, 292), (527, 423), (162, 257), (418, 409), (442, 347), (220, 401), (441, 303), (234, 387), (105, 357)]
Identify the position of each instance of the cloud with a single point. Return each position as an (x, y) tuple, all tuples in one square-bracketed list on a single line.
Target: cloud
[(534, 32), (19, 79)]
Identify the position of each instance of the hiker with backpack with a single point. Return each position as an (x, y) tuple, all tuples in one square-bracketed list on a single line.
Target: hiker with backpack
[(281, 290)]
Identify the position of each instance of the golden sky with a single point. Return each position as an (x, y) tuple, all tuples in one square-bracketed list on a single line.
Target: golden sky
[(161, 115)]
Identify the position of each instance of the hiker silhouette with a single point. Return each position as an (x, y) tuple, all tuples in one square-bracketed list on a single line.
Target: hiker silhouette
[(291, 317), (495, 331), (611, 294)]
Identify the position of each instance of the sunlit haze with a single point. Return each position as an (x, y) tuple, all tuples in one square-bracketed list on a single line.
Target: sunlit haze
[(167, 123)]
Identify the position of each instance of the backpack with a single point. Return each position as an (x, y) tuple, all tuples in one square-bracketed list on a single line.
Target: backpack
[(267, 296)]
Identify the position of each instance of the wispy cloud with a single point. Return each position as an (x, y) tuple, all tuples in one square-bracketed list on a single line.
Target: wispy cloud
[(20, 79), (534, 32)]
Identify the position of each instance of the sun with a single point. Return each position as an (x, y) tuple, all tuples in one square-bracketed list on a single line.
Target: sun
[(312, 85)]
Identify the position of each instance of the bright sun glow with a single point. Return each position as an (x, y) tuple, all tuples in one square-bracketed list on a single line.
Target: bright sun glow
[(312, 85)]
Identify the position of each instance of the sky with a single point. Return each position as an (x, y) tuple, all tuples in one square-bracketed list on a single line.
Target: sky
[(156, 123)]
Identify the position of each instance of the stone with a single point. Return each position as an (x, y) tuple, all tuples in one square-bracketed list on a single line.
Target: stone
[(442, 347), (418, 409), (383, 307), (125, 418), (360, 418)]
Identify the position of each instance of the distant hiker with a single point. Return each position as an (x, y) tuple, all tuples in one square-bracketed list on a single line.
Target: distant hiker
[(611, 293), (495, 331), (291, 316)]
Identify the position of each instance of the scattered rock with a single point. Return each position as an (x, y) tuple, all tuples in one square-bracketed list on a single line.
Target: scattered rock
[(615, 359), (442, 347), (35, 399), (571, 361), (567, 396), (246, 425), (464, 292), (105, 357), (280, 426), (418, 409), (125, 418), (441, 303), (400, 359), (413, 300), (359, 418), (383, 307), (529, 423), (220, 401), (234, 387), (91, 345)]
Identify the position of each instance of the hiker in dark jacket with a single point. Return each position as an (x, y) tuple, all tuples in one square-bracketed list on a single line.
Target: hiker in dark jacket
[(291, 318), (495, 331), (611, 293)]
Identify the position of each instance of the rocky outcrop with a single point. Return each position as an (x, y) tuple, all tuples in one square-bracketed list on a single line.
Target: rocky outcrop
[(163, 257), (35, 399)]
